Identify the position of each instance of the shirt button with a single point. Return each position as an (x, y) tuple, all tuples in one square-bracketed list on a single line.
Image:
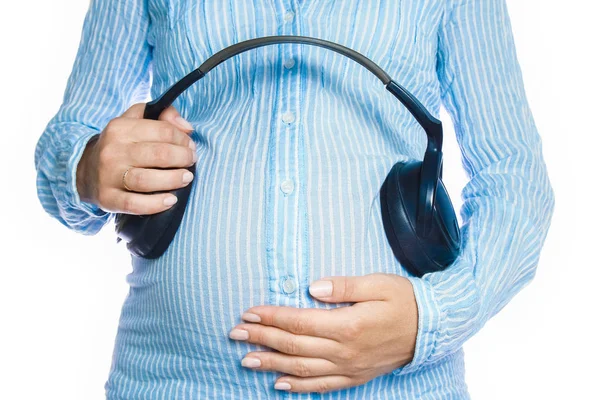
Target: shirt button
[(289, 15), (289, 286), (287, 186), (288, 117), (289, 63)]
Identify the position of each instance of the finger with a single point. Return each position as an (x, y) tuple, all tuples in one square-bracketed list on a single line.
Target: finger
[(339, 289), (319, 384), (135, 111), (170, 114), (158, 131), (126, 202), (152, 180), (161, 155), (293, 365), (301, 321), (286, 342)]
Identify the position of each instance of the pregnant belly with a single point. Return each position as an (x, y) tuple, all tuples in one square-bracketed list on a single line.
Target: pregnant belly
[(175, 322), (174, 327)]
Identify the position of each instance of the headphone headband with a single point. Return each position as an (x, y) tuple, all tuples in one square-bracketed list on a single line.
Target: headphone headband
[(241, 47), (432, 160)]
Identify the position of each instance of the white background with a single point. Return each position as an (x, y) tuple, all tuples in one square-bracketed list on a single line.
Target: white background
[(61, 292)]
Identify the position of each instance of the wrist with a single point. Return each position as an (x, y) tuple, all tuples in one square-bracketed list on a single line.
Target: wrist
[(84, 169), (428, 326)]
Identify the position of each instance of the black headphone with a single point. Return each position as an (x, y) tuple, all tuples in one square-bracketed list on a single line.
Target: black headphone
[(418, 217)]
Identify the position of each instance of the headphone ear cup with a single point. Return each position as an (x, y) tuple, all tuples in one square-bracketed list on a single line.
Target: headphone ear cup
[(399, 197)]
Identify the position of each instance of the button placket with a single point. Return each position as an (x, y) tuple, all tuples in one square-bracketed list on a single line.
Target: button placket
[(283, 225), (286, 168)]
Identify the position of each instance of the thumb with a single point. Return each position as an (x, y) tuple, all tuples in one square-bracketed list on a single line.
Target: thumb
[(336, 289)]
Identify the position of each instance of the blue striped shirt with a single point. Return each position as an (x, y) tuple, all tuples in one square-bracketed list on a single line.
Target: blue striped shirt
[(294, 142)]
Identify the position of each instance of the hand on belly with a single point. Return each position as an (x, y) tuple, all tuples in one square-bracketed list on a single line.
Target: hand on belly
[(332, 349)]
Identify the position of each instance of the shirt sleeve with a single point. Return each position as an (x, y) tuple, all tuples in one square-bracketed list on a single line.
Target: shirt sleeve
[(508, 201), (111, 71)]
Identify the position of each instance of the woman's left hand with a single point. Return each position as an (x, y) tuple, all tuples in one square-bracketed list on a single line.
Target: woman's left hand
[(330, 349)]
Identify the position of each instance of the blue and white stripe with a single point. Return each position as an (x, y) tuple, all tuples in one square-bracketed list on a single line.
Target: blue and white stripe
[(243, 236)]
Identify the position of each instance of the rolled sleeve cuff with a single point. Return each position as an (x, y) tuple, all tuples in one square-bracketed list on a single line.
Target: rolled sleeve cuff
[(429, 320)]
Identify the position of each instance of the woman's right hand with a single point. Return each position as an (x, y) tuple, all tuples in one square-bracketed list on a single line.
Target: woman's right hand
[(142, 146)]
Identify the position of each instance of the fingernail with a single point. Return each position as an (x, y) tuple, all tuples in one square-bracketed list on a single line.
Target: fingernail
[(187, 177), (183, 123), (283, 386), (321, 288), (170, 200), (250, 362), (192, 145), (239, 334), (250, 317), (195, 156)]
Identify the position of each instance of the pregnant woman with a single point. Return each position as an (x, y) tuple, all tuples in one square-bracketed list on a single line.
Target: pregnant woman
[(280, 282)]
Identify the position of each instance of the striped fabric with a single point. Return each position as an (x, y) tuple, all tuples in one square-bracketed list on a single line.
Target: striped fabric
[(294, 142)]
